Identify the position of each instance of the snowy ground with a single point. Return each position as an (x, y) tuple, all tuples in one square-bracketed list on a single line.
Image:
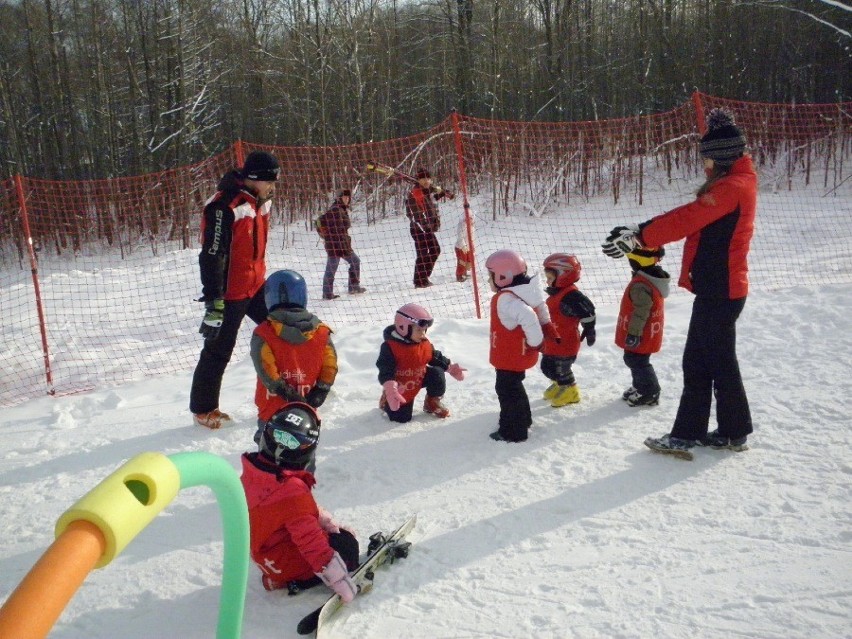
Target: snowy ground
[(579, 532)]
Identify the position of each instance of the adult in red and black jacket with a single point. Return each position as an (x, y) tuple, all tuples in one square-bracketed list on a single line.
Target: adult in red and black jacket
[(425, 222), (234, 231), (338, 245), (718, 227)]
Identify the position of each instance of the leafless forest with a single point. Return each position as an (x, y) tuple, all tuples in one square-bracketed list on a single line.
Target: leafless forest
[(107, 88)]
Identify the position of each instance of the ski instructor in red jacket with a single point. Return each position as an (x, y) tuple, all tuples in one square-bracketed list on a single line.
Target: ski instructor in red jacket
[(234, 228), (718, 227)]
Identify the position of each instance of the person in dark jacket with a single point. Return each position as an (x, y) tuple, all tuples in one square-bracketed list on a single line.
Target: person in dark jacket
[(718, 227), (234, 229), (335, 224), (425, 222)]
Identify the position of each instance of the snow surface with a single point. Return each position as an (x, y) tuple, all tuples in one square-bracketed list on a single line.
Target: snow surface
[(579, 532)]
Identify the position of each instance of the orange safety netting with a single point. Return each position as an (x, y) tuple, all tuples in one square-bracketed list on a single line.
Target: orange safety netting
[(104, 293)]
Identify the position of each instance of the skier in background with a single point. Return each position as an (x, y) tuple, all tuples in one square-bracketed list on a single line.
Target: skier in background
[(333, 226), (425, 222), (569, 309), (234, 229), (520, 321), (295, 543), (464, 256), (291, 350), (408, 362), (639, 328)]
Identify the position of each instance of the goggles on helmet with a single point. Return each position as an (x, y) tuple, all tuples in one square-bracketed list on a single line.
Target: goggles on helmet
[(422, 323)]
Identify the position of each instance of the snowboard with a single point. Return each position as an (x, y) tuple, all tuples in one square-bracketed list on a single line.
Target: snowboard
[(383, 549)]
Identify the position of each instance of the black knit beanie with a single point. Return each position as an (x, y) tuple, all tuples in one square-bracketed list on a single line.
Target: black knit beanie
[(723, 143), (261, 166)]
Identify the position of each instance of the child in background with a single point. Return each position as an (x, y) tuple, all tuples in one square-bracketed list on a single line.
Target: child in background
[(569, 308), (639, 330), (408, 362), (520, 321), (463, 257), (292, 351), (296, 544)]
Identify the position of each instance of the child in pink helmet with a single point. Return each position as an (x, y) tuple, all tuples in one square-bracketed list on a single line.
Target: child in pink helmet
[(408, 362), (520, 322)]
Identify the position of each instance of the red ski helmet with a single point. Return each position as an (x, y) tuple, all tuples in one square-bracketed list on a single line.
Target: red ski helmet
[(504, 265), (567, 268)]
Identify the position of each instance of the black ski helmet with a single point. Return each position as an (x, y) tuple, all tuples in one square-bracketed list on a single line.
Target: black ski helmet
[(290, 437)]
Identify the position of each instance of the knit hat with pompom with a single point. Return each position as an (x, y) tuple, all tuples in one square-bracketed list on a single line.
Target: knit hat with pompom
[(723, 143)]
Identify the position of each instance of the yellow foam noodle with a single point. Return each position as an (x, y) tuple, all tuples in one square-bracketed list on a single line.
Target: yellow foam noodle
[(126, 501)]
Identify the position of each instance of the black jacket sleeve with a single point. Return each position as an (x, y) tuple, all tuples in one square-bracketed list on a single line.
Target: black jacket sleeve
[(386, 364), (439, 360), (215, 250), (576, 304)]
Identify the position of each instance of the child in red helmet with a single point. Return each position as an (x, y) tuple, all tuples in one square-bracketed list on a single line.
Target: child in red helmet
[(639, 329), (295, 543), (570, 309), (520, 322), (408, 362)]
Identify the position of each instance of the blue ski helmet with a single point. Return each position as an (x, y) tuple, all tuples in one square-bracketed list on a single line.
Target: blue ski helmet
[(285, 288), (290, 438)]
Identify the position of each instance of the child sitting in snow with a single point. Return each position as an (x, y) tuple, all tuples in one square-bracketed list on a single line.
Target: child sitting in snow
[(569, 308), (295, 543), (639, 329), (408, 362), (520, 321), (291, 351)]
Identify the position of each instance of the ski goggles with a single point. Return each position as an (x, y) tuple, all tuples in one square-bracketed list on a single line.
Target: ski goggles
[(422, 323)]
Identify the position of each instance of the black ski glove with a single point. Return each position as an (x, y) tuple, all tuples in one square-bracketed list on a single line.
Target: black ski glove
[(632, 341), (588, 333), (316, 396), (214, 313)]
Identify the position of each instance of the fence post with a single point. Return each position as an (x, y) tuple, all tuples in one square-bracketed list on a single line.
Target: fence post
[(240, 153), (699, 113), (22, 204), (467, 213)]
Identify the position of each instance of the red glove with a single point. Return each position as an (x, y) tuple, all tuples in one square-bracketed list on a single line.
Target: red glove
[(550, 332)]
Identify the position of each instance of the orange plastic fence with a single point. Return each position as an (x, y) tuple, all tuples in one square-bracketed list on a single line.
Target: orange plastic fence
[(116, 260)]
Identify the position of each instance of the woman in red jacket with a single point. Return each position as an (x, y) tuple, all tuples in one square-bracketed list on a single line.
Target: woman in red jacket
[(718, 227)]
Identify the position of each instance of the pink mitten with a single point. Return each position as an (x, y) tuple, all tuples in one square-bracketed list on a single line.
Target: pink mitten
[(456, 371), (327, 523), (392, 395), (336, 577)]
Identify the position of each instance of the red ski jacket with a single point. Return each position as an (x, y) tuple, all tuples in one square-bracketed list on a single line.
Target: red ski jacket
[(652, 332), (234, 229), (718, 227), (509, 349), (287, 541)]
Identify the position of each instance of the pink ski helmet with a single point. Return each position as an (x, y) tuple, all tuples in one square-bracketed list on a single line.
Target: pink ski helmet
[(504, 266), (567, 268), (410, 315)]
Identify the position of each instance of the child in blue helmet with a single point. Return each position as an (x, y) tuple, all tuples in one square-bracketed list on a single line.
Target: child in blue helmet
[(291, 350)]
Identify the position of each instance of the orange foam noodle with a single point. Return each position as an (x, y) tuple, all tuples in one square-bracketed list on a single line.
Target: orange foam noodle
[(40, 598)]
